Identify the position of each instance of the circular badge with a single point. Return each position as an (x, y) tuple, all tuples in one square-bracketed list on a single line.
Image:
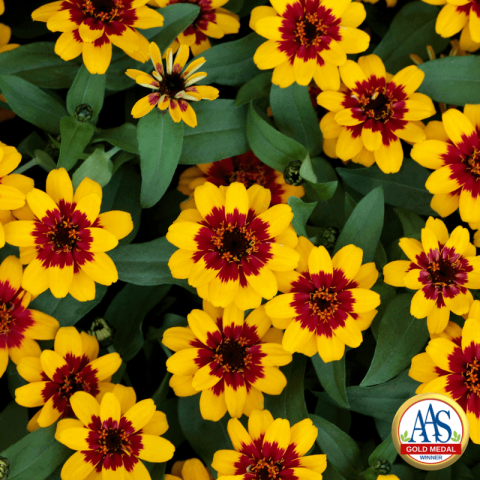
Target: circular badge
[(430, 431)]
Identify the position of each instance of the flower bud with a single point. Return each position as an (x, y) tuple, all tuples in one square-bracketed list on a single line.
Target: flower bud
[(102, 331)]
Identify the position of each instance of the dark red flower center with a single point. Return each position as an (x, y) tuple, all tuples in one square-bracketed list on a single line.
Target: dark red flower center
[(234, 243), (104, 10), (377, 106), (310, 29), (232, 355), (443, 271), (5, 318), (265, 469), (472, 382), (113, 440), (323, 303), (171, 84), (249, 174), (74, 382), (63, 236), (473, 164)]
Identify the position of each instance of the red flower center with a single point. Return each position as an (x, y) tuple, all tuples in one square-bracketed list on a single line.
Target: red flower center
[(171, 84), (233, 243), (74, 382), (310, 29), (104, 10), (113, 440), (265, 469), (323, 303), (442, 272), (248, 173), (377, 105), (472, 382), (473, 164), (5, 318), (63, 236), (232, 355)]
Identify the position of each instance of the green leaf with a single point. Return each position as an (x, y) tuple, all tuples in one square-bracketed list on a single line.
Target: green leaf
[(32, 104), (295, 116), (204, 436), (385, 451), (412, 224), (387, 293), (146, 263), (404, 189), (39, 64), (382, 401), (400, 337), (75, 137), (220, 133), (177, 18), (290, 404), (97, 167), (364, 226), (160, 145), (87, 89), (67, 311), (268, 144), (14, 420), (412, 29), (301, 214), (331, 376), (45, 160), (124, 137), (36, 455), (321, 177), (126, 314), (341, 450), (257, 87), (452, 80), (231, 63)]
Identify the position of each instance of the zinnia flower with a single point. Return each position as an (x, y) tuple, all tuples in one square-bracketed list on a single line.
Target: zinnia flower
[(63, 238), (453, 151), (229, 359), (231, 243), (246, 169), (270, 449), (19, 325), (212, 21), (308, 39), (457, 370), (327, 302), (456, 16), (192, 469), (91, 26), (54, 377), (374, 113), (111, 437), (5, 34), (172, 89), (441, 269)]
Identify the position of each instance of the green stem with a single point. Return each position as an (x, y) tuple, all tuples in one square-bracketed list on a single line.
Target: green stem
[(27, 166)]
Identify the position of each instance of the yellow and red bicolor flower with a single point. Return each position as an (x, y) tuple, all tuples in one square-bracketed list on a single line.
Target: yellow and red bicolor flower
[(246, 169), (170, 88), (456, 16), (453, 151), (270, 449), (308, 39), (231, 243), (63, 238), (212, 21), (441, 268), (89, 27), (457, 371), (375, 112), (326, 302), (229, 359), (13, 187), (192, 469), (111, 437), (57, 374), (20, 326)]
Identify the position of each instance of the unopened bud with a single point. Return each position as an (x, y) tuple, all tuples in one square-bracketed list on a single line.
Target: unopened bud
[(383, 467), (4, 468), (102, 331), (83, 113), (292, 173), (327, 237)]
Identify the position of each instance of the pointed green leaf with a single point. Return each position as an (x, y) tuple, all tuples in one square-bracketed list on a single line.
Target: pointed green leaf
[(75, 137)]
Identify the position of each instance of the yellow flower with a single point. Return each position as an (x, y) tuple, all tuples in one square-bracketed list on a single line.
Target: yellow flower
[(91, 26), (441, 268), (271, 446), (5, 34), (374, 113), (192, 469), (111, 437), (170, 88), (231, 244), (308, 39), (54, 377), (327, 302), (229, 359), (63, 238), (19, 325)]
